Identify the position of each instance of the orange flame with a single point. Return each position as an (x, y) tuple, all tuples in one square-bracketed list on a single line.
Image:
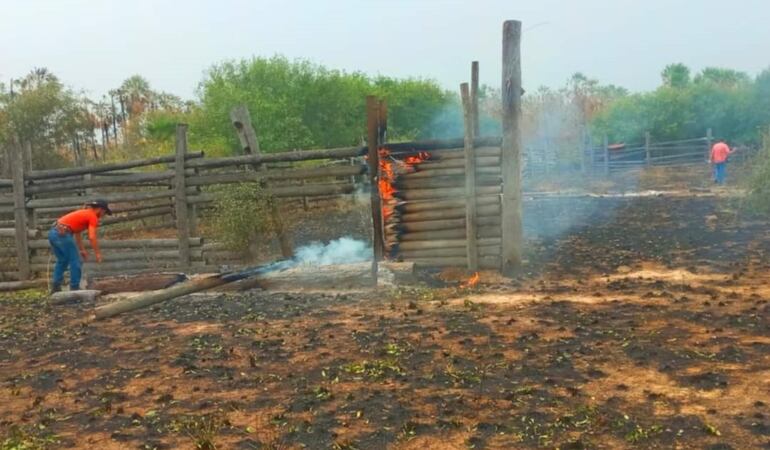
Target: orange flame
[(389, 169), (472, 281)]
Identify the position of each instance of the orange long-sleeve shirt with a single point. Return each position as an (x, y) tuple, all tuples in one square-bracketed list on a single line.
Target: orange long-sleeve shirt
[(80, 220), (719, 152)]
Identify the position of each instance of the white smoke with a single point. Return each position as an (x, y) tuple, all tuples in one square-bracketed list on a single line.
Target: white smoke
[(344, 250)]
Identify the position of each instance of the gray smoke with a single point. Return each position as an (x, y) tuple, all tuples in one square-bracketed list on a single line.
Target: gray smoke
[(344, 250)]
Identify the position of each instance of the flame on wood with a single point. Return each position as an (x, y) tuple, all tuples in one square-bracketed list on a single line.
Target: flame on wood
[(471, 282)]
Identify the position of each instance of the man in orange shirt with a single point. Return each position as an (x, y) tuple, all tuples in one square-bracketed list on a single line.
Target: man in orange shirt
[(719, 154), (66, 242)]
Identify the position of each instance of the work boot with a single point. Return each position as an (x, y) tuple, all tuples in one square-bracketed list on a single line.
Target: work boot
[(55, 289)]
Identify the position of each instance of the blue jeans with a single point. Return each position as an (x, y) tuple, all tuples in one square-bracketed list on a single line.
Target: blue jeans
[(67, 255), (720, 172)]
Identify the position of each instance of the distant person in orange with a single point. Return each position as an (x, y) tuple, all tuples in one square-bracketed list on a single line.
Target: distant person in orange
[(67, 244), (719, 154)]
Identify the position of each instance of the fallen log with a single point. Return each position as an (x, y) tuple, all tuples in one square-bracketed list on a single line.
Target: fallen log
[(67, 297), (136, 283), (145, 300), (8, 286), (335, 277), (274, 271)]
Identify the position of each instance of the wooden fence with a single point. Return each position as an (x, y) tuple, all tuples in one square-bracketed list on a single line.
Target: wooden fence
[(171, 190)]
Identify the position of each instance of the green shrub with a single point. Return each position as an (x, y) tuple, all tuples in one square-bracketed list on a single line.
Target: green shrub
[(241, 215), (758, 199)]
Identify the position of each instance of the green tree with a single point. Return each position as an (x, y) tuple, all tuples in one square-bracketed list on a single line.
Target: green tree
[(676, 75)]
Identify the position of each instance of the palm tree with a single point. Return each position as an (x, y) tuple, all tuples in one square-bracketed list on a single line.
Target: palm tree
[(136, 90)]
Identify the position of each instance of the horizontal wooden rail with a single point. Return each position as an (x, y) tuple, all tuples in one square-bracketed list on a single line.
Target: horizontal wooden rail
[(56, 173)]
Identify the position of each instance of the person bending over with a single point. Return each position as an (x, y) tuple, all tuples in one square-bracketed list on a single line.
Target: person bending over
[(67, 244)]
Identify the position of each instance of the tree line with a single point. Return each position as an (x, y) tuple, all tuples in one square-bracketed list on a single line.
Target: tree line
[(299, 104)]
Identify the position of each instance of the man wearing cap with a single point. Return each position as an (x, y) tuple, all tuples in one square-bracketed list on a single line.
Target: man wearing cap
[(67, 244)]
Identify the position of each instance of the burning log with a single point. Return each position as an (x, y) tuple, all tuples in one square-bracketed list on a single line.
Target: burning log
[(283, 274), (136, 283), (145, 300), (340, 276)]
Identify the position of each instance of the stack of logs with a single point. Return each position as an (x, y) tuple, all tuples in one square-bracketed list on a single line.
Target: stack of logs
[(428, 221)]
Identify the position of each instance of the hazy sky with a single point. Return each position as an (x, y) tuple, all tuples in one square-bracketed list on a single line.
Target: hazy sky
[(95, 44)]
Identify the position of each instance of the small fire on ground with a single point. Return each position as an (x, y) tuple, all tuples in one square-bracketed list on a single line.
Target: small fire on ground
[(471, 282)]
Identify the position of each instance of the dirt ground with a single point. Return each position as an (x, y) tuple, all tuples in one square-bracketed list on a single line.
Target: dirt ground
[(647, 326)]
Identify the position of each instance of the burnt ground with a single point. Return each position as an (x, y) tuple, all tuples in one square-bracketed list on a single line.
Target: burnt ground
[(645, 325)]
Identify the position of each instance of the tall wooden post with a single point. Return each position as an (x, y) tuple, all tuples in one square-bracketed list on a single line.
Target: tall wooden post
[(241, 119), (373, 160), (606, 155), (512, 228), (180, 197), (20, 209), (709, 139), (475, 98), (247, 134), (470, 180), (31, 216), (27, 156), (647, 156)]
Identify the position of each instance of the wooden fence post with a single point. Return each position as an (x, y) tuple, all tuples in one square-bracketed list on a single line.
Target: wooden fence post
[(373, 160), (709, 138), (606, 156), (647, 157), (241, 119), (180, 197), (475, 98), (19, 209), (470, 180), (247, 134), (512, 228)]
